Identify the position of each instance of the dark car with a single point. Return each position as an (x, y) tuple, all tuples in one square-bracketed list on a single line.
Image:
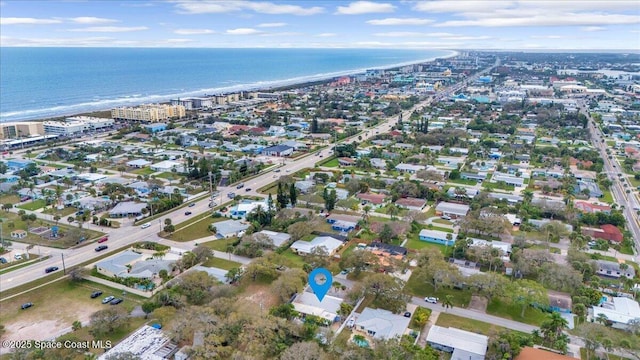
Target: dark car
[(102, 247), (407, 314), (188, 213), (95, 294), (3, 260), (26, 305), (192, 204), (247, 189), (115, 301), (51, 269)]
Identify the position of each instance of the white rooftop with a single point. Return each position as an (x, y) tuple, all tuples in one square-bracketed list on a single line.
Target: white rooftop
[(307, 303), (143, 344), (330, 244), (458, 339), (384, 323), (624, 310)]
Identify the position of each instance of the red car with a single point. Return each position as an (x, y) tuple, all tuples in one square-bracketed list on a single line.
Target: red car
[(103, 239)]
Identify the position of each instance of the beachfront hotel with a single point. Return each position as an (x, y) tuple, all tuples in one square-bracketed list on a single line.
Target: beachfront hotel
[(14, 130), (149, 112)]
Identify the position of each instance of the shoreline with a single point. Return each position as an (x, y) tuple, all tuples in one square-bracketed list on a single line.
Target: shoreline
[(275, 85)]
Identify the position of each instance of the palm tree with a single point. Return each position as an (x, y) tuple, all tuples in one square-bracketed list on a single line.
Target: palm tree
[(607, 344), (602, 318), (447, 302), (365, 213), (393, 211)]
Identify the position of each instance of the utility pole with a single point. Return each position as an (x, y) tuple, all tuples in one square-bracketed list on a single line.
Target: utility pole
[(64, 269)]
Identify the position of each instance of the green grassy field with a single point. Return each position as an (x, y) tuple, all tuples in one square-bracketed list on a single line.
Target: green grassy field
[(143, 171), (196, 230), (70, 210), (9, 199), (458, 322), (417, 286), (330, 163), (219, 245), (221, 263), (34, 205), (607, 197), (507, 310), (294, 259)]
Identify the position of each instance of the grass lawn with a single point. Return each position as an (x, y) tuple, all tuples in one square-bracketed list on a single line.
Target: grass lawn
[(442, 221), (462, 181), (607, 197), (34, 205), (196, 230), (331, 163), (443, 229), (507, 310), (294, 259), (458, 322), (143, 171), (169, 176), (9, 199), (415, 243), (419, 287), (11, 221), (219, 245), (221, 263), (63, 301), (64, 213)]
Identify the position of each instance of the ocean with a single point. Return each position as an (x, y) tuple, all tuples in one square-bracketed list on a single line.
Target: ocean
[(38, 83)]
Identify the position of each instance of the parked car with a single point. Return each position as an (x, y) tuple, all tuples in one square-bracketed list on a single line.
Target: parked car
[(26, 305), (103, 239), (50, 269), (95, 294), (431, 299), (102, 247), (192, 204), (276, 170), (445, 217), (247, 189), (115, 301), (187, 212), (108, 299), (240, 186), (231, 195), (3, 260), (17, 256), (407, 314), (144, 226)]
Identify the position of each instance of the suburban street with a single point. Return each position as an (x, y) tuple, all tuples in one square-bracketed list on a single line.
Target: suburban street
[(628, 202)]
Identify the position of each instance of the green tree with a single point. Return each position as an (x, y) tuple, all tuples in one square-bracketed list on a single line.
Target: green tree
[(293, 194), (330, 198), (527, 293), (551, 330)]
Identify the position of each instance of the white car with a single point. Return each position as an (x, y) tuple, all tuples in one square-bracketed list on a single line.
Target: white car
[(431, 299), (144, 226)]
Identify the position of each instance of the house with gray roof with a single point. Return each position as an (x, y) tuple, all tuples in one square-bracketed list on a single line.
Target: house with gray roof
[(613, 269), (329, 244), (305, 186), (452, 210), (229, 228), (277, 238), (307, 303), (117, 266), (462, 344), (127, 208), (149, 269), (381, 324)]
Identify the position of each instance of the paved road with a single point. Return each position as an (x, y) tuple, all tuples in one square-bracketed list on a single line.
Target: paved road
[(628, 201)]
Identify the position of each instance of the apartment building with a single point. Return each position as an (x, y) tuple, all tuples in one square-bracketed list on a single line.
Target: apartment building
[(93, 123), (14, 130), (64, 128), (149, 112)]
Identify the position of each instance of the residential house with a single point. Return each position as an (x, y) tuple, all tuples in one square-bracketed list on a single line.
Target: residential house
[(330, 245), (305, 186), (230, 228), (613, 269), (343, 223), (590, 187), (138, 163), (127, 209), (345, 161), (450, 161), (307, 303), (246, 206), (411, 203), (452, 210), (118, 265), (409, 168), (479, 177), (607, 232), (591, 208), (507, 179), (148, 343), (372, 198), (560, 302), (378, 163), (166, 166), (278, 150), (619, 312), (503, 247), (381, 324), (461, 344), (437, 237), (277, 238)]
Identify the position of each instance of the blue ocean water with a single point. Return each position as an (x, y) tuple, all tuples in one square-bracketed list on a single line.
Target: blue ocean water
[(44, 82)]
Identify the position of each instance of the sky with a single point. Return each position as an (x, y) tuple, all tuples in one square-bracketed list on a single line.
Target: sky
[(436, 24)]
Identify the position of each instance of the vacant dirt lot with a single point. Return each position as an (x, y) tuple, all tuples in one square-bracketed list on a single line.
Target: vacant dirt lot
[(478, 303)]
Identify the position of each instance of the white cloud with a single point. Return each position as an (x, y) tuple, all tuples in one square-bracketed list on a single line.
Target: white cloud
[(327, 35), (243, 31), (593, 28), (399, 21), (111, 29), (272, 25), (547, 37), (215, 7), (542, 19), (193, 31), (91, 20), (179, 41), (440, 35), (57, 42), (284, 33), (460, 6), (365, 7), (27, 21)]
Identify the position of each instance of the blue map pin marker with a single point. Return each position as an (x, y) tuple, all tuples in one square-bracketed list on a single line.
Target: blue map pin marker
[(320, 289)]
